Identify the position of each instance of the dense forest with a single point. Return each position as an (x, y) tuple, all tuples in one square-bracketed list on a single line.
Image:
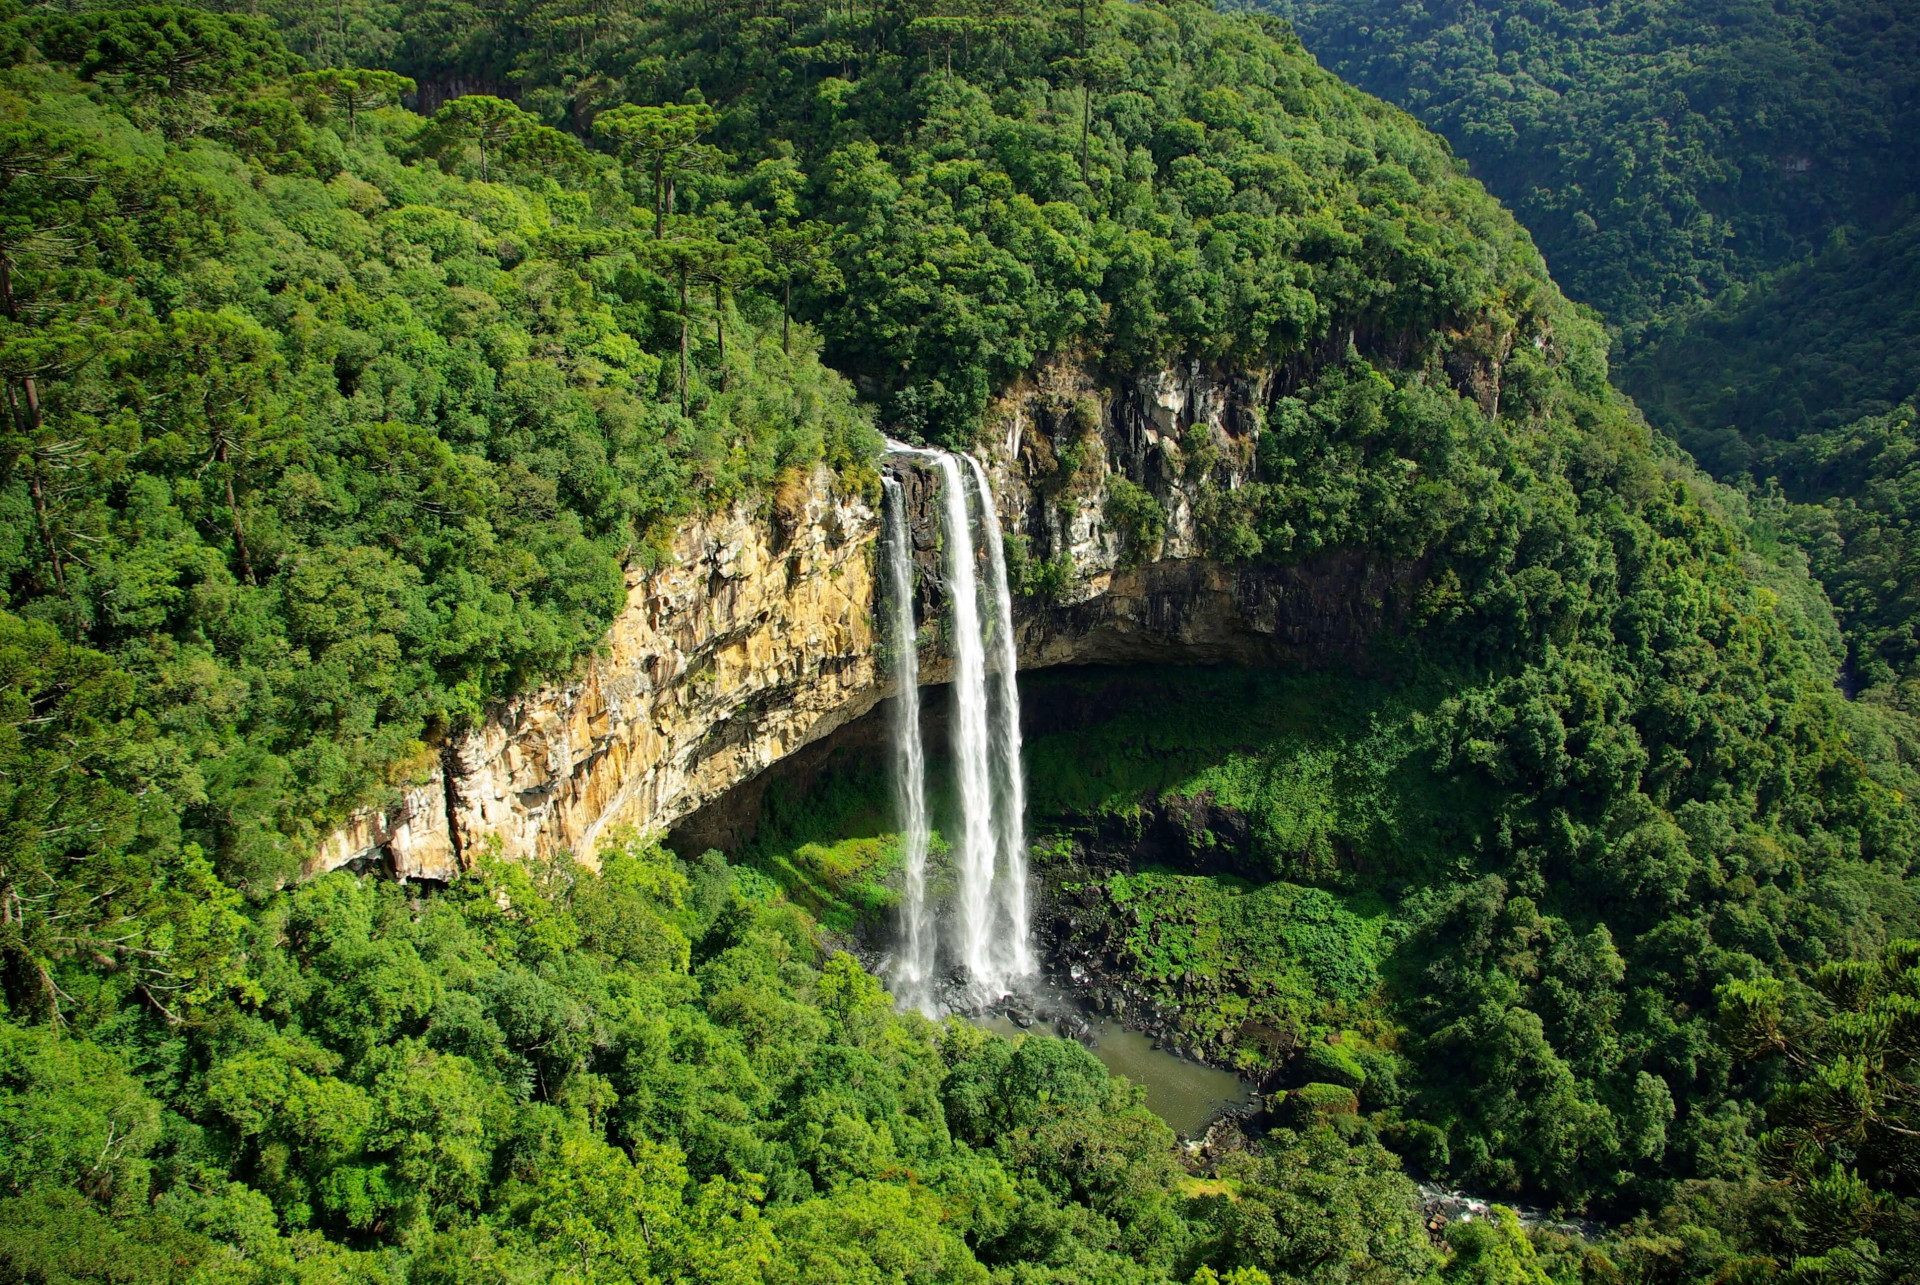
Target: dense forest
[(332, 422), (1733, 186), (1661, 153)]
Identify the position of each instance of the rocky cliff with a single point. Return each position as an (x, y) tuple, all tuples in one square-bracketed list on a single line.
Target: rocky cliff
[(756, 638)]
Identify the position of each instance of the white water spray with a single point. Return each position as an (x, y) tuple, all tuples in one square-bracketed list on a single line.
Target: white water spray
[(972, 768), (915, 965), (990, 919), (1014, 952)]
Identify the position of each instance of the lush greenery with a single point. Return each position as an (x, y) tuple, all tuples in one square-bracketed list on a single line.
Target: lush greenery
[(1000, 183), (330, 424), (1821, 347), (1498, 1007), (1810, 403), (645, 1074), (1731, 186), (832, 847), (329, 448), (1660, 151)]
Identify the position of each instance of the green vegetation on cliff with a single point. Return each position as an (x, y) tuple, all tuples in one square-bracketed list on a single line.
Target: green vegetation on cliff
[(330, 425), (1732, 185), (326, 447)]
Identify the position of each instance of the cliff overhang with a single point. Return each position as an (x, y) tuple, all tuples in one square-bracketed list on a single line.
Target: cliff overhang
[(756, 639)]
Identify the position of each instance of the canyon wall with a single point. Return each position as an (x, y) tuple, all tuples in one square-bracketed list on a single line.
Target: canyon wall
[(756, 638)]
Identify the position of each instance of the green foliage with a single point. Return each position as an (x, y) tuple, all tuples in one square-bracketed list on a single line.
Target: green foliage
[(1315, 1209), (1494, 1251), (327, 449), (989, 188), (831, 848), (1137, 516), (1235, 963), (547, 1074), (1802, 356), (1661, 151), (316, 449), (92, 868), (1486, 1005), (1845, 1117), (1729, 186), (1806, 401)]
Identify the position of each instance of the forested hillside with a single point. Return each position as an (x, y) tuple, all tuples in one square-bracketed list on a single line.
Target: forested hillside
[(1660, 152), (1733, 186), (332, 423)]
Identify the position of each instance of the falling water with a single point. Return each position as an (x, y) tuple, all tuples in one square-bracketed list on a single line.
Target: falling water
[(1013, 952), (972, 768), (914, 967), (991, 915)]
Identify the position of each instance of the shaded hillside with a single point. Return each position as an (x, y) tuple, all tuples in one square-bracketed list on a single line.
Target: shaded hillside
[(1660, 152), (1732, 187)]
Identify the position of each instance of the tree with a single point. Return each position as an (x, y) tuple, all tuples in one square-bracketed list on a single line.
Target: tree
[(1096, 68), (487, 122), (175, 55), (1846, 1120), (942, 29), (543, 150), (683, 258), (221, 368), (732, 264), (800, 253), (45, 178), (356, 89), (665, 142), (81, 876)]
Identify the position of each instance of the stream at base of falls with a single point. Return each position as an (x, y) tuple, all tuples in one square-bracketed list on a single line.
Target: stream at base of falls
[(1191, 1096), (1188, 1095)]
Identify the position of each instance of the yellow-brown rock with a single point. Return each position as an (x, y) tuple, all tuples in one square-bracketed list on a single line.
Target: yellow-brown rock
[(755, 638)]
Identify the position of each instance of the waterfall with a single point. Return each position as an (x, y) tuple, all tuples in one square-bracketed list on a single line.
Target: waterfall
[(1015, 952), (973, 772), (990, 917), (914, 968)]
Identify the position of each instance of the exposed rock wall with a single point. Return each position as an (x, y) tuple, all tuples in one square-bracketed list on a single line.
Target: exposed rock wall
[(756, 640)]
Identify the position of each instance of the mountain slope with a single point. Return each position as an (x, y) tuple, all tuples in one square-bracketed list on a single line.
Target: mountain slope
[(332, 425), (1660, 152)]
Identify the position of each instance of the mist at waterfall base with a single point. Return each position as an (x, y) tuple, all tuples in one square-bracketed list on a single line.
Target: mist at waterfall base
[(980, 950)]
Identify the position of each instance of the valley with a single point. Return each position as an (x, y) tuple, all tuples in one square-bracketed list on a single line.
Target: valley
[(975, 643)]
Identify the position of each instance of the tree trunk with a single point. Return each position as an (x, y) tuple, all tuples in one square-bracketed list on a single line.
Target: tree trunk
[(1086, 124), (659, 199), (720, 333), (31, 424), (683, 340), (786, 319), (46, 532), (233, 511), (29, 387)]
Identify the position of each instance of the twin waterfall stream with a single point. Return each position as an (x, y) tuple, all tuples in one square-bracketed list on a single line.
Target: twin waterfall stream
[(987, 945)]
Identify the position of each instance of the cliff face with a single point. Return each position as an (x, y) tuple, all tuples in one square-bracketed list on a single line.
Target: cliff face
[(754, 639), (757, 638)]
